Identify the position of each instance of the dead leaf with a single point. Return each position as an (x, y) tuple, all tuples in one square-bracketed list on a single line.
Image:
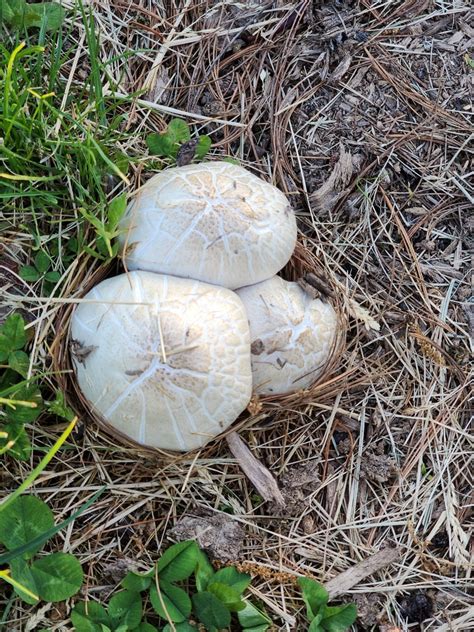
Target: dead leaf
[(37, 618), (254, 406), (360, 313), (158, 93), (186, 152), (335, 187)]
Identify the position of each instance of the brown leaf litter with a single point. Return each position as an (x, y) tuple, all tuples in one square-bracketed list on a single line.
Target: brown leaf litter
[(218, 534), (336, 186)]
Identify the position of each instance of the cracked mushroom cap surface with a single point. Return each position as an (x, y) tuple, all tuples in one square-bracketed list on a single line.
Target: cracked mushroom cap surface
[(163, 360), (291, 335), (215, 222)]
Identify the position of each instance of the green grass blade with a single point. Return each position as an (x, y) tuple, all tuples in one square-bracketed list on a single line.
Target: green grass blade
[(40, 467)]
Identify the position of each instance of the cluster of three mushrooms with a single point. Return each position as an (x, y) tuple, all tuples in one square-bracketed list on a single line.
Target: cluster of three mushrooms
[(169, 353)]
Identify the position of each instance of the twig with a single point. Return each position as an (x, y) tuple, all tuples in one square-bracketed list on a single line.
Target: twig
[(258, 474), (343, 582)]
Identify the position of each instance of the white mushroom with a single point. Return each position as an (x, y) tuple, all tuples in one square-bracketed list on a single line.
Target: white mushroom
[(164, 360), (215, 222), (291, 335)]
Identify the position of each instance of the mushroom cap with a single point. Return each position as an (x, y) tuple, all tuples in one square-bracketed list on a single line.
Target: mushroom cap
[(215, 222), (291, 335), (164, 360)]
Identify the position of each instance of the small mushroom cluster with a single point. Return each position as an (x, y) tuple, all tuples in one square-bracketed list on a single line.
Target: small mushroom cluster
[(170, 352)]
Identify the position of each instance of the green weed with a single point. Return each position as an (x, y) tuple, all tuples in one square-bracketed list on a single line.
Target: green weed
[(20, 398), (176, 144), (321, 616), (218, 595), (26, 523), (19, 15), (53, 577)]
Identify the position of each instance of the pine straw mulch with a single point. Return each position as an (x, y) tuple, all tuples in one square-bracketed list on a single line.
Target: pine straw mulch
[(359, 111)]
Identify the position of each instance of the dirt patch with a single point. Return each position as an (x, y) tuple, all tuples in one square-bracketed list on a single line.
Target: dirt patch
[(369, 609), (219, 535), (417, 607), (296, 486), (377, 467)]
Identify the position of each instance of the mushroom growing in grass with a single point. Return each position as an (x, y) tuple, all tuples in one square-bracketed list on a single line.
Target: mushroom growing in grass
[(164, 361), (292, 335), (215, 222)]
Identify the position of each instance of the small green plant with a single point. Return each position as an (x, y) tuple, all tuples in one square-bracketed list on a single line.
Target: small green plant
[(176, 144), (218, 595), (20, 398), (321, 616), (41, 271), (26, 523), (469, 61), (52, 577), (12, 341), (20, 14), (52, 164), (106, 231)]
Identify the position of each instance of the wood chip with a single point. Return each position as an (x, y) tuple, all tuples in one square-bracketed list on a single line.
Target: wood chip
[(346, 580), (257, 473), (340, 70), (466, 28), (343, 582)]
